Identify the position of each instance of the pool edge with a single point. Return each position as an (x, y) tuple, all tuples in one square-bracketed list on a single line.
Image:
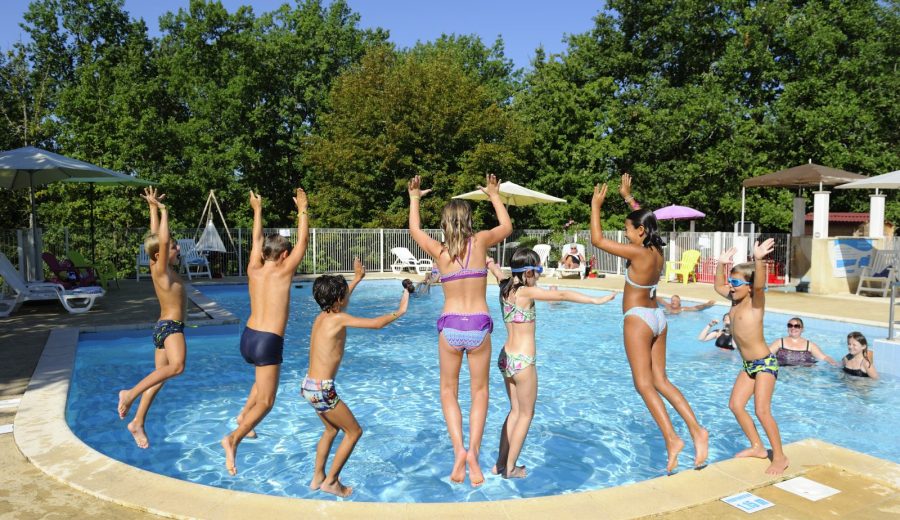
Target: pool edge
[(44, 438)]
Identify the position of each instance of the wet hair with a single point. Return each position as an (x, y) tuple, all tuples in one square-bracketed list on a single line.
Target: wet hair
[(151, 245), (456, 223), (275, 244), (858, 336), (522, 257), (796, 318), (646, 218), (409, 286), (328, 290), (747, 270), (726, 327)]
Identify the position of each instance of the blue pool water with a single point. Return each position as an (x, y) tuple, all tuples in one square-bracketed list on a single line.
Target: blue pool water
[(591, 429)]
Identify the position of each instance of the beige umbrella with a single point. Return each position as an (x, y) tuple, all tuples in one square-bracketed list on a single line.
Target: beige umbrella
[(513, 195)]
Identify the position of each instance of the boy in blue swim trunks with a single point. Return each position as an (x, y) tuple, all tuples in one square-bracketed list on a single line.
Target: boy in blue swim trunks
[(760, 370), (273, 263), (168, 335), (326, 349)]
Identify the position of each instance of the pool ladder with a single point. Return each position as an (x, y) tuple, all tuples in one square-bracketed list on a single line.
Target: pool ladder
[(893, 320)]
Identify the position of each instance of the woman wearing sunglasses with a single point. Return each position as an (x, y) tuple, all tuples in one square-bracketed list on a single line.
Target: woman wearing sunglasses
[(794, 349)]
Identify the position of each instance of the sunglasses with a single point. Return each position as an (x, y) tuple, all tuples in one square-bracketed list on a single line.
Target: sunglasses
[(795, 326), (734, 282)]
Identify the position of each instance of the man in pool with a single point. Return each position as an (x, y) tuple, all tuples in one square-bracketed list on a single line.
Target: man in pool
[(168, 336), (326, 349), (272, 266), (675, 307), (757, 378)]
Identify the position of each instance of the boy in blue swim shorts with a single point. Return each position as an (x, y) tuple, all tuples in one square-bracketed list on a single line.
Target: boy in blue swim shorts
[(326, 349), (760, 369), (273, 262)]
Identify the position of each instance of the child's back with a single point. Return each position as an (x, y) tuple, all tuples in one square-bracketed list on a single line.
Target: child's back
[(270, 296)]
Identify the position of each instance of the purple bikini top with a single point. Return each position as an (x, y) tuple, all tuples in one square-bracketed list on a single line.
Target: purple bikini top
[(464, 271)]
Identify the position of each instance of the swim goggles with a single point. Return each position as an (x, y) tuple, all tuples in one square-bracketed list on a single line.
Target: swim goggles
[(536, 268), (734, 282)]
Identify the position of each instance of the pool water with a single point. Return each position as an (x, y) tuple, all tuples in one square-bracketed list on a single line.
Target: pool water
[(590, 431)]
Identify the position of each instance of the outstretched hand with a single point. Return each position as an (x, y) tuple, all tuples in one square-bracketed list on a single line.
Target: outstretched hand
[(359, 270), (625, 186), (605, 299), (727, 255), (599, 196), (492, 185), (761, 250), (404, 302), (301, 201), (153, 197), (415, 188), (255, 201)]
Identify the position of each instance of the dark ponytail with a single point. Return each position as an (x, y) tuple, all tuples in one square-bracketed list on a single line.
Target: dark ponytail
[(646, 218), (522, 257)]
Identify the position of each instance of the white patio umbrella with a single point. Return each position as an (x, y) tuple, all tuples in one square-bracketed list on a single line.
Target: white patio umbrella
[(513, 194), (29, 167), (887, 181)]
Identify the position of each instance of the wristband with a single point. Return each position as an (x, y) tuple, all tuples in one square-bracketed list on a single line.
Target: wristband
[(415, 197), (303, 213)]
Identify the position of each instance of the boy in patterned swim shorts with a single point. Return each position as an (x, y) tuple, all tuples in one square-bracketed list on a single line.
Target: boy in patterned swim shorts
[(168, 335), (326, 349), (760, 370)]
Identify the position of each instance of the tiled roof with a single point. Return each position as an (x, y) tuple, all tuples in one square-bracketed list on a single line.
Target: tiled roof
[(843, 217)]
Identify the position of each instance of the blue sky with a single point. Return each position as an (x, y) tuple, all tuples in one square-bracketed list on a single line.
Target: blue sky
[(523, 24)]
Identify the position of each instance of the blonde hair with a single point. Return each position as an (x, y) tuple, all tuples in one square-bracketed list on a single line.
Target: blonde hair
[(456, 222), (151, 245), (747, 270)]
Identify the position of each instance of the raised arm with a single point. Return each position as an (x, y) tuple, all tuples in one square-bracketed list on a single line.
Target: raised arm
[(380, 321), (296, 256), (699, 307), (821, 356), (706, 334), (536, 293), (153, 199), (503, 229), (721, 285), (759, 279), (495, 269), (159, 224), (256, 247), (359, 272), (628, 251), (430, 245)]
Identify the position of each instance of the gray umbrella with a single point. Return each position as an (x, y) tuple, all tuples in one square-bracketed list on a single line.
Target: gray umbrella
[(29, 167)]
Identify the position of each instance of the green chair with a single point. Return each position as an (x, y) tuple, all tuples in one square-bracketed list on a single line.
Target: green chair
[(105, 271)]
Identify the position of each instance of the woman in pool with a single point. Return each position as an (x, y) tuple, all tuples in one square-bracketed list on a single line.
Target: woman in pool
[(516, 361), (797, 350), (644, 324), (722, 336), (465, 324), (859, 361)]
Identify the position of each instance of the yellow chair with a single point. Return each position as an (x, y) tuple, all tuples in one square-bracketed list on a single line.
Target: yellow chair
[(685, 267)]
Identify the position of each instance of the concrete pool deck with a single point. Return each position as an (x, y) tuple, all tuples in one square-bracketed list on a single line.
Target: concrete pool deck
[(871, 486)]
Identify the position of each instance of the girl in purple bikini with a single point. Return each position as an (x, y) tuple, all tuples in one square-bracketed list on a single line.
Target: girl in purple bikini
[(465, 324)]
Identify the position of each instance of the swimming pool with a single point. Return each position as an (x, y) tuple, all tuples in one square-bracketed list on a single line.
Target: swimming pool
[(591, 429)]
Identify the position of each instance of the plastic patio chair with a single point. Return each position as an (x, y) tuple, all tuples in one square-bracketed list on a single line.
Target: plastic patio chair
[(882, 270), (685, 268), (76, 301), (105, 271), (406, 260), (562, 272)]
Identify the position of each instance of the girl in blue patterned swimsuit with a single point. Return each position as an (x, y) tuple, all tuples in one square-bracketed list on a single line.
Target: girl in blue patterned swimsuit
[(644, 324), (516, 361), (465, 325)]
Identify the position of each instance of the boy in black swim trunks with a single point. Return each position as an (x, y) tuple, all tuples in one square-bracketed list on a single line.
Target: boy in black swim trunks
[(326, 349), (168, 335), (760, 371), (273, 263)]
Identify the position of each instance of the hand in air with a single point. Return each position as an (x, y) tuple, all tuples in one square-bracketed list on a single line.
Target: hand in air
[(761, 250), (404, 303), (625, 186), (599, 196), (492, 185), (415, 188), (727, 255), (359, 270), (255, 201), (301, 201), (153, 197), (713, 322)]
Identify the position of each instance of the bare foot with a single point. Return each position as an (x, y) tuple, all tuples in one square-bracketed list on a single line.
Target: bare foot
[(458, 474), (140, 437), (123, 404), (252, 433), (494, 470), (673, 448), (475, 475), (517, 472), (336, 489), (316, 481), (779, 464), (229, 455), (753, 451), (701, 448)]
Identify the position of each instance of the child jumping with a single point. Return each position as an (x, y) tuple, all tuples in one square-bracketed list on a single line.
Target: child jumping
[(760, 370), (273, 263), (517, 296), (465, 324), (644, 325), (168, 336), (326, 349)]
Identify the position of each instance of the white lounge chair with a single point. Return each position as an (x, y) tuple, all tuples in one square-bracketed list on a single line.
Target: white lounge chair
[(561, 271), (882, 270), (193, 259), (75, 301), (142, 261), (406, 260), (543, 251)]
